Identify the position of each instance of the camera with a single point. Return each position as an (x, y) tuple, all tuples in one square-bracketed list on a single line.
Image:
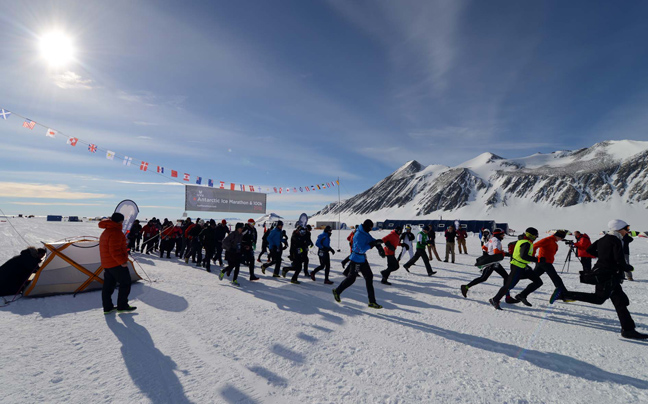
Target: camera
[(569, 242)]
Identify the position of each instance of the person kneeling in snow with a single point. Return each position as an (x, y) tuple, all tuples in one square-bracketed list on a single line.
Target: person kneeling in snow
[(362, 242), (15, 272)]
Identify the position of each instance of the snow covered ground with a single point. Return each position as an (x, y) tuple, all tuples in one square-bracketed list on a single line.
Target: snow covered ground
[(197, 339)]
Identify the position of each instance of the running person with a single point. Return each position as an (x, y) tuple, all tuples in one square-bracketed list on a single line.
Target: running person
[(323, 244)]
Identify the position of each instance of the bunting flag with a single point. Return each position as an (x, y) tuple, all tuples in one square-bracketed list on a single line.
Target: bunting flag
[(29, 124), (143, 166)]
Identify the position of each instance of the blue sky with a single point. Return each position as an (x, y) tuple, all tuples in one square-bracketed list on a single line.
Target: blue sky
[(288, 93)]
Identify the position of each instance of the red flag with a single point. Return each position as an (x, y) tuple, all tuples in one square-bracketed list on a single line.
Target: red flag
[(307, 189), (72, 141), (251, 188), (232, 186), (174, 173), (144, 166)]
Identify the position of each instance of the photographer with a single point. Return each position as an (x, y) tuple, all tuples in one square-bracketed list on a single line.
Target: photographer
[(582, 244), (607, 275)]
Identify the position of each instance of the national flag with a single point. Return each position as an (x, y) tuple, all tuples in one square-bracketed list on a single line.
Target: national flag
[(29, 124), (92, 148), (4, 114), (275, 189), (51, 133), (186, 177), (110, 155), (174, 173), (313, 187), (295, 189), (232, 186), (160, 169), (144, 166), (307, 189), (280, 189), (318, 187), (127, 160), (328, 185), (198, 180), (210, 183), (222, 185), (337, 182), (72, 141), (251, 188), (323, 186), (301, 189), (242, 187), (287, 189)]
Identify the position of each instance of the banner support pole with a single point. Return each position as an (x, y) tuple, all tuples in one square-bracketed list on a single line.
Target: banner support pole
[(339, 203)]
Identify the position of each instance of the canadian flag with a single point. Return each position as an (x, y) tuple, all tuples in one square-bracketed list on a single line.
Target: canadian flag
[(222, 185), (72, 141), (144, 166), (186, 177)]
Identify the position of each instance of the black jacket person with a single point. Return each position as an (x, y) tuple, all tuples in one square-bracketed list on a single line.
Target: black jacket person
[(15, 272)]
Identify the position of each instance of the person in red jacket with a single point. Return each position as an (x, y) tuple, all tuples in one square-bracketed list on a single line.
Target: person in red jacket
[(461, 240), (392, 241), (582, 243), (149, 232), (546, 249), (347, 259), (113, 251)]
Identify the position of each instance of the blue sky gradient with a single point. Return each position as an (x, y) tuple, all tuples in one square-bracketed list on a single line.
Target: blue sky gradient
[(289, 93)]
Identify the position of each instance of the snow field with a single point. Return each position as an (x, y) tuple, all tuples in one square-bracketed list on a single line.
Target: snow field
[(197, 339)]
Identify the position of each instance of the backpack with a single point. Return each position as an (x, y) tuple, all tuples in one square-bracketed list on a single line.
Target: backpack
[(511, 247)]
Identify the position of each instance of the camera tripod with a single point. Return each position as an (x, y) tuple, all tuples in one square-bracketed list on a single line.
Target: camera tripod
[(568, 259)]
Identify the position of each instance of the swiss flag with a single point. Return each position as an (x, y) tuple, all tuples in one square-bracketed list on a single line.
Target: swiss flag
[(174, 173), (72, 141), (144, 166), (186, 177)]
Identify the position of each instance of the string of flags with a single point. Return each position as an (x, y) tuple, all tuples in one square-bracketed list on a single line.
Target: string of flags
[(174, 175)]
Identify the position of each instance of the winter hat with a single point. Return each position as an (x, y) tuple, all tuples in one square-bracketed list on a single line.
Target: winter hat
[(117, 217), (328, 229), (531, 232), (279, 223), (617, 224), (239, 225), (223, 221), (560, 233), (251, 221), (367, 225)]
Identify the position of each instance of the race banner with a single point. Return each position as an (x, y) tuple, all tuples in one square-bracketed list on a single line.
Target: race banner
[(207, 199)]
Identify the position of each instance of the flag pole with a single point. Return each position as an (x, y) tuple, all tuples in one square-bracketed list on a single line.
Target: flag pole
[(338, 226)]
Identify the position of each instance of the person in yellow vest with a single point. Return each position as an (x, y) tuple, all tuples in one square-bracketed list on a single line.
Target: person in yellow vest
[(522, 256)]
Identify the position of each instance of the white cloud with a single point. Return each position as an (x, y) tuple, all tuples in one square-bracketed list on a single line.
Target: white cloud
[(72, 81), (56, 204), (149, 183), (44, 191)]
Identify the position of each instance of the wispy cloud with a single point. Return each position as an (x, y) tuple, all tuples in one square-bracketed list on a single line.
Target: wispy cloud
[(44, 191), (56, 204), (72, 81), (149, 183)]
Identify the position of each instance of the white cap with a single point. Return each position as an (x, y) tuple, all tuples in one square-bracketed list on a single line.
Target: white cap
[(616, 224)]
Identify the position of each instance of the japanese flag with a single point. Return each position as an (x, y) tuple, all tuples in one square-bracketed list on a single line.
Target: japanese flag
[(51, 133)]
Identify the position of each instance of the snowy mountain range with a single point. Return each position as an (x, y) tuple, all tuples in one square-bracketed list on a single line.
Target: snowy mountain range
[(610, 174)]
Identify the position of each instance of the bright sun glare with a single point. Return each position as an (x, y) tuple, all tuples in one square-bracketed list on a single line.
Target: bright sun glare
[(57, 49)]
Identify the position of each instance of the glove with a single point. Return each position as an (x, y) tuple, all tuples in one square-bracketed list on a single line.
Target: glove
[(543, 260), (629, 268), (332, 251), (405, 246), (381, 252)]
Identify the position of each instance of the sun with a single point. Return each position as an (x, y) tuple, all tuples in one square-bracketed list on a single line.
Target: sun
[(57, 48)]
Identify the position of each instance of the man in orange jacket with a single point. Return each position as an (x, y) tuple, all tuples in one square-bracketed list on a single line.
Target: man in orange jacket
[(114, 259), (546, 248)]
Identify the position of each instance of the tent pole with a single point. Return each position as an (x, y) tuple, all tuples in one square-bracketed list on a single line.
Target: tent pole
[(338, 226)]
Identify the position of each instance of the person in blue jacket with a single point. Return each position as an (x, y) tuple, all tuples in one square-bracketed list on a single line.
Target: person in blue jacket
[(274, 244), (362, 242), (323, 244)]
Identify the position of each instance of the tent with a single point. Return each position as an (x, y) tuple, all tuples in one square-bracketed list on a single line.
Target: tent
[(71, 266)]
